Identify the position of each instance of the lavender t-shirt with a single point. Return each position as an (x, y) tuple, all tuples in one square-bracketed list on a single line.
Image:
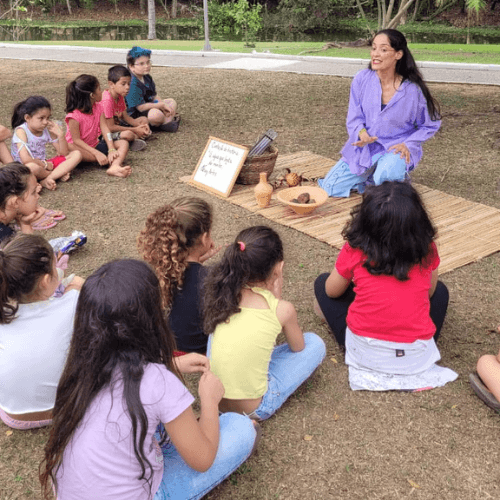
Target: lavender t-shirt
[(99, 461)]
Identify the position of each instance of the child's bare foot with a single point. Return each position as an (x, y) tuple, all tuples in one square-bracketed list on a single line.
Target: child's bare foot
[(65, 177), (48, 184), (119, 170), (38, 187)]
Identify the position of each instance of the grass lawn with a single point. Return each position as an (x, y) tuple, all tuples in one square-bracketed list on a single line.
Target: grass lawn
[(326, 442), (481, 54)]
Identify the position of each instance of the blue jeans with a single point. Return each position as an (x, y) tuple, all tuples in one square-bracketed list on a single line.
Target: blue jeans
[(287, 371), (180, 482), (385, 167)]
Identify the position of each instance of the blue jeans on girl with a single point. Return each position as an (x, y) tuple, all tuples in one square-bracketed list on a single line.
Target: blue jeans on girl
[(287, 371), (180, 482)]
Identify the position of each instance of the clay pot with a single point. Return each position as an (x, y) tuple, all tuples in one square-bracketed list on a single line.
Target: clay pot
[(263, 191)]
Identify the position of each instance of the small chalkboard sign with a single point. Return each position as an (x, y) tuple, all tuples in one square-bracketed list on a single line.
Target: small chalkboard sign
[(219, 166)]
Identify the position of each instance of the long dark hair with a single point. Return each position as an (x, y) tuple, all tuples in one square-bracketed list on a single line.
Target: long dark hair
[(250, 258), (170, 232), (24, 260), (78, 93), (407, 68), (13, 181), (392, 228), (119, 325), (28, 107)]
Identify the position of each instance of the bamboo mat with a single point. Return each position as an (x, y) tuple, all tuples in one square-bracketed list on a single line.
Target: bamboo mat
[(467, 231)]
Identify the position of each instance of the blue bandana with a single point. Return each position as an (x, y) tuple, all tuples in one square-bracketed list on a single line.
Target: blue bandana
[(137, 52)]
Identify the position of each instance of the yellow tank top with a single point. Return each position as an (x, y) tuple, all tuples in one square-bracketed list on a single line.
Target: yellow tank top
[(241, 349)]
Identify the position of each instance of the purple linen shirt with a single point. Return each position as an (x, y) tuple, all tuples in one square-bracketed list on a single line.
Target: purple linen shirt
[(404, 119)]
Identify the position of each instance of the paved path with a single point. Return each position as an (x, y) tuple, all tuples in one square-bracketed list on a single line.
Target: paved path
[(487, 74)]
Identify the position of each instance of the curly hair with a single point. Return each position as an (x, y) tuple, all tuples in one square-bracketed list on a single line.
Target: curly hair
[(250, 259), (392, 228), (170, 233)]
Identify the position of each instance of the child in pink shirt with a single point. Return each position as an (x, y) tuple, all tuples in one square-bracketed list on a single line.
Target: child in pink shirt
[(85, 120), (120, 123)]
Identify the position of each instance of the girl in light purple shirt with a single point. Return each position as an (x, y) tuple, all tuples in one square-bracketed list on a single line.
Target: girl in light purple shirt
[(391, 113), (123, 426)]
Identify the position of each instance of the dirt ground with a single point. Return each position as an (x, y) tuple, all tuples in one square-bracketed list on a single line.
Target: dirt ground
[(440, 444)]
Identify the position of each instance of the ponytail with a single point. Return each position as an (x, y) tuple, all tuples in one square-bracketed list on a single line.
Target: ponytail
[(78, 93), (23, 261), (250, 259)]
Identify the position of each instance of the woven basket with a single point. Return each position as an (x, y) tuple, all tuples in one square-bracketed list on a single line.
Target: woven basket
[(250, 172)]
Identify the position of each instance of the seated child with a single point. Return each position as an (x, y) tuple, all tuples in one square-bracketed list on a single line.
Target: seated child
[(19, 197), (176, 242), (244, 310), (123, 424), (33, 130), (35, 330), (142, 99), (486, 383), (86, 123), (120, 124), (385, 286), (5, 156)]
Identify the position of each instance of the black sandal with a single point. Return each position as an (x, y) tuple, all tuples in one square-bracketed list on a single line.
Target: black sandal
[(482, 392)]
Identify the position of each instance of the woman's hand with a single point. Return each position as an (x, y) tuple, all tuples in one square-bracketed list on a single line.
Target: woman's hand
[(192, 363), (364, 139), (403, 151), (100, 158)]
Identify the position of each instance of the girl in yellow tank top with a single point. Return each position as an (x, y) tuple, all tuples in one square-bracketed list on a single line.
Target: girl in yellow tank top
[(244, 310)]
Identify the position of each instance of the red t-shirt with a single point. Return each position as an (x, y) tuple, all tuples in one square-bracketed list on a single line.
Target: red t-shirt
[(384, 307), (111, 107)]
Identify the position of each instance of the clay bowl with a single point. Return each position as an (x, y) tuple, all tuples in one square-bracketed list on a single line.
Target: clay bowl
[(315, 192)]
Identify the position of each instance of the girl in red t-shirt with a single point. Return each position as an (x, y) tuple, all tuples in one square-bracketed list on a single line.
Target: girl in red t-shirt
[(383, 298)]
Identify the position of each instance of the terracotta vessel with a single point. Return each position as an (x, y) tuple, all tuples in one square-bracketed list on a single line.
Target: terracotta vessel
[(263, 191)]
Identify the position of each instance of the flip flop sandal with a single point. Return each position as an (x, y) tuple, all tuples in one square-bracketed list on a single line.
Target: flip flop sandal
[(57, 215), (482, 392), (44, 223)]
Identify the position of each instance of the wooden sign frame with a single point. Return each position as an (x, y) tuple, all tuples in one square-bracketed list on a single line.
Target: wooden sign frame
[(219, 166)]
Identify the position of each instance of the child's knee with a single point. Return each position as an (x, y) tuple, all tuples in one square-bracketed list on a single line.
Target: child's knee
[(156, 117), (75, 156), (487, 364), (128, 135), (315, 344)]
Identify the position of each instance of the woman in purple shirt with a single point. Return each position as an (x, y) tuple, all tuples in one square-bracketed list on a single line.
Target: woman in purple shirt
[(391, 113)]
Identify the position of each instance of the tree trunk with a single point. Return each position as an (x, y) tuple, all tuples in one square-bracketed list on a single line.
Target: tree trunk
[(69, 7), (151, 20), (174, 9)]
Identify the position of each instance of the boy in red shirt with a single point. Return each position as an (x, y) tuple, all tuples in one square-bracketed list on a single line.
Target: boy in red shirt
[(120, 123)]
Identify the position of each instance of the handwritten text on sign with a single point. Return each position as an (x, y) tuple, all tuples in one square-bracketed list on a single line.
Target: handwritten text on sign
[(219, 165)]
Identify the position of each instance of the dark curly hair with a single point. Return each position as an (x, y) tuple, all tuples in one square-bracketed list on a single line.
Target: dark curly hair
[(392, 228), (170, 232), (250, 258)]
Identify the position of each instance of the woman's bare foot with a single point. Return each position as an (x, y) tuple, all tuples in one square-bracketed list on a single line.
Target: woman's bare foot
[(48, 184), (65, 177), (119, 171)]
